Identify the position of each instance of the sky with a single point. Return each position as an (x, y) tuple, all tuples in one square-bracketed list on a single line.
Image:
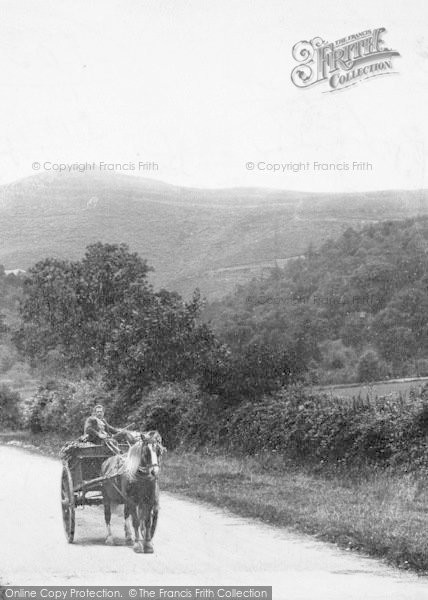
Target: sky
[(201, 88)]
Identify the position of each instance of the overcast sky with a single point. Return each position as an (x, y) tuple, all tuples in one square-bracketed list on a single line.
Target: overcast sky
[(202, 87)]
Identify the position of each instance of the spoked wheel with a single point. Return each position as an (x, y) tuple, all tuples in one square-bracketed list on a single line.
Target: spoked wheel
[(67, 504)]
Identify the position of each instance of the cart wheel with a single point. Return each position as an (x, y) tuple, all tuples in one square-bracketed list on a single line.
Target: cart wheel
[(67, 504)]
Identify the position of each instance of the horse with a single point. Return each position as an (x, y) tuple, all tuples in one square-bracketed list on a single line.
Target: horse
[(135, 485)]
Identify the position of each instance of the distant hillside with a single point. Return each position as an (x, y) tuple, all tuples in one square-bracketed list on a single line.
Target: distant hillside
[(212, 239), (356, 309)]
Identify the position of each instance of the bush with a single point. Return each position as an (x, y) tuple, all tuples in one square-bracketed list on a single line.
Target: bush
[(310, 428), (304, 427), (19, 373), (335, 355), (10, 417), (258, 370), (8, 357), (63, 406), (368, 366), (180, 412), (422, 367)]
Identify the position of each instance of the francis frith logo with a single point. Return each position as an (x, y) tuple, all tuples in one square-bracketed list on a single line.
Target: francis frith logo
[(342, 63)]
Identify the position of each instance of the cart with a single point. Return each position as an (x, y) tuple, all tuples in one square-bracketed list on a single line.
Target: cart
[(81, 483)]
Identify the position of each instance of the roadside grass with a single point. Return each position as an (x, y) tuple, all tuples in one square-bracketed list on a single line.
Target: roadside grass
[(381, 513)]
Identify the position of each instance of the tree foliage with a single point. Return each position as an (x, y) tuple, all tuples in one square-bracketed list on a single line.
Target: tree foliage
[(101, 311), (368, 366), (72, 306), (367, 289)]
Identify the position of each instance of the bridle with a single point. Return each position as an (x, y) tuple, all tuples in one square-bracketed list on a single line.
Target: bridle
[(148, 469)]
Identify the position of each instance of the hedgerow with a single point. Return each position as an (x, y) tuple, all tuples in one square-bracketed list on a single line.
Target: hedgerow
[(63, 406), (181, 413), (293, 423), (10, 416), (306, 427)]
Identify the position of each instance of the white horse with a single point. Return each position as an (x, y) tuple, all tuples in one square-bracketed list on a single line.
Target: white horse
[(135, 485)]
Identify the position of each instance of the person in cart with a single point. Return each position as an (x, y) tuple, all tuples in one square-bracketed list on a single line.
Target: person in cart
[(98, 431)]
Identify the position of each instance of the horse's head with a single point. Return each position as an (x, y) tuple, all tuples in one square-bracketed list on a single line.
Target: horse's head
[(144, 456)]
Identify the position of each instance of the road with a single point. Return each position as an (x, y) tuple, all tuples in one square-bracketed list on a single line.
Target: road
[(194, 545)]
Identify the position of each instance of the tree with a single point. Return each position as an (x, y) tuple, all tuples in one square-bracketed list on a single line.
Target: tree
[(50, 310), (72, 307), (248, 375), (9, 408), (397, 344), (102, 312), (158, 339), (367, 288), (368, 366)]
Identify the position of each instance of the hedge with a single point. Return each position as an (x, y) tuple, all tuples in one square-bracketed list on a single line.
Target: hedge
[(63, 406), (300, 426), (292, 423), (10, 416)]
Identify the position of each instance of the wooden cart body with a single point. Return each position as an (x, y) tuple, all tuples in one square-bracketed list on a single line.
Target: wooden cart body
[(81, 481)]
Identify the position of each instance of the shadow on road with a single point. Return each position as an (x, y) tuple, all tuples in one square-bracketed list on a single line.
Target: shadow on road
[(99, 541)]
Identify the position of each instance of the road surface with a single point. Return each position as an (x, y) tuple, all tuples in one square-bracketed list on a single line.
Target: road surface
[(194, 545)]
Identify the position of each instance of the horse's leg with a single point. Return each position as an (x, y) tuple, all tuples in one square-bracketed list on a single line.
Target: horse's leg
[(154, 521), (107, 516), (147, 520), (146, 525), (154, 511), (128, 536), (138, 543)]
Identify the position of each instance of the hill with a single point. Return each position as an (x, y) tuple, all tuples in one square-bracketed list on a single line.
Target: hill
[(212, 239), (356, 309)]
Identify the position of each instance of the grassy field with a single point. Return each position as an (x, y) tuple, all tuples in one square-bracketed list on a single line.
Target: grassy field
[(381, 513), (376, 389)]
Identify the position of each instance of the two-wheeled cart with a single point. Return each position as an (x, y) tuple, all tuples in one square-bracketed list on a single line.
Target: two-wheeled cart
[(81, 484)]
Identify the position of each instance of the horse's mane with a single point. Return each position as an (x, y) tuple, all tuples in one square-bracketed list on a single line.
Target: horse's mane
[(132, 460)]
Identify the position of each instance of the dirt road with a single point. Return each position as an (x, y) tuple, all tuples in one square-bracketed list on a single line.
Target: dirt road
[(194, 545)]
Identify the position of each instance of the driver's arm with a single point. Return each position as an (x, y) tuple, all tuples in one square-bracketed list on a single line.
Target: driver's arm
[(110, 428)]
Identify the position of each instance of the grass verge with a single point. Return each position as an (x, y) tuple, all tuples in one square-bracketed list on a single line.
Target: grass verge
[(381, 513)]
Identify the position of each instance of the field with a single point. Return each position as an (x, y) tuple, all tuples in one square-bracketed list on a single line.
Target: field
[(395, 388)]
